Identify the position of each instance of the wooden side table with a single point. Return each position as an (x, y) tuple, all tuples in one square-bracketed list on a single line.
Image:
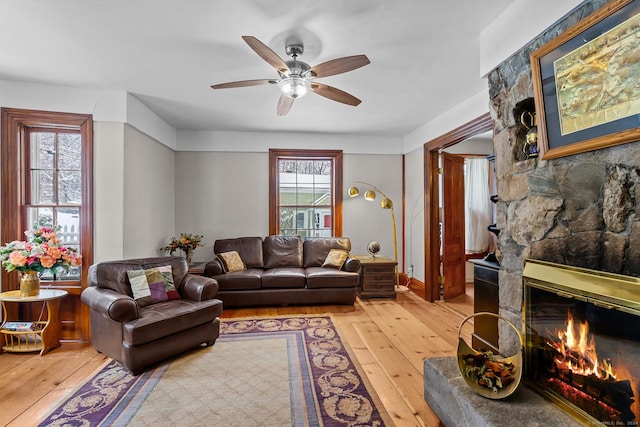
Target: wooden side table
[(197, 268), (44, 336), (378, 277)]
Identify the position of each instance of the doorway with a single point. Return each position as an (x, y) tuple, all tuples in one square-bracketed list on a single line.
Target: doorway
[(452, 264)]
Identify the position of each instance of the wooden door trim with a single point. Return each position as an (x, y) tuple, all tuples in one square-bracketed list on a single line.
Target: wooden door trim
[(479, 125)]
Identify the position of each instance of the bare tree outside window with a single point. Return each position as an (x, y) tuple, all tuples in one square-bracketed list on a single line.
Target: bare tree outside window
[(55, 184)]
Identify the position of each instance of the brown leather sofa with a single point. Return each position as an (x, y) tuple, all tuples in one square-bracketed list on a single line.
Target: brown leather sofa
[(138, 336), (284, 270)]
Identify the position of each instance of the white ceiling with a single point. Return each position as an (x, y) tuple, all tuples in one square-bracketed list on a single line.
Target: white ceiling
[(424, 57)]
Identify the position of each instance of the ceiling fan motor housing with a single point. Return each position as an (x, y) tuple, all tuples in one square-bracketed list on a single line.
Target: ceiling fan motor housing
[(295, 83), (298, 68)]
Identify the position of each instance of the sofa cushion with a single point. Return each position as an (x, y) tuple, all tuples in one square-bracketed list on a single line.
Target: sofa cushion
[(250, 278), (169, 317), (232, 261), (335, 259), (152, 285), (320, 277), (284, 277), (249, 248), (282, 251), (316, 249)]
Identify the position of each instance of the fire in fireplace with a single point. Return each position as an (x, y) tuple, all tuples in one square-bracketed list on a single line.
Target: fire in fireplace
[(582, 348)]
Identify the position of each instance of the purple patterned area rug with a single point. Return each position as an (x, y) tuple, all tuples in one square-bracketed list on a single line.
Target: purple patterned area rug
[(293, 371)]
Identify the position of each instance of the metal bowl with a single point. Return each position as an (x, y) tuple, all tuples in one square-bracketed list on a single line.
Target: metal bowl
[(494, 376)]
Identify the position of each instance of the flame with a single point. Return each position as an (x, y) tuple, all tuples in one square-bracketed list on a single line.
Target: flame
[(579, 351)]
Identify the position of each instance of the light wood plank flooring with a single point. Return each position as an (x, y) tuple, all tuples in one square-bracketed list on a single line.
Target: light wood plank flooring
[(390, 339)]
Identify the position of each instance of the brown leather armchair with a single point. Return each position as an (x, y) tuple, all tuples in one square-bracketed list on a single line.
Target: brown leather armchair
[(138, 336)]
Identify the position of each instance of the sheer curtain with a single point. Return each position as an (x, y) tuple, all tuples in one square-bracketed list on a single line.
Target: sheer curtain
[(478, 205)]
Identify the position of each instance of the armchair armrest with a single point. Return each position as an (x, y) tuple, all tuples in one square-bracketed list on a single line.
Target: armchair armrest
[(213, 268), (119, 307), (352, 265), (198, 288)]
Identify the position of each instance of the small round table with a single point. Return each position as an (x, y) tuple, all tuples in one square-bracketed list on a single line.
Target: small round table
[(40, 336)]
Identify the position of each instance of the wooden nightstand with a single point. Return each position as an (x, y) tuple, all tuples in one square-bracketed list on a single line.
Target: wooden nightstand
[(378, 277)]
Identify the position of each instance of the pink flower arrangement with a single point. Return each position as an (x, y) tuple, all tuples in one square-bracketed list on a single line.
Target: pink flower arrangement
[(41, 252)]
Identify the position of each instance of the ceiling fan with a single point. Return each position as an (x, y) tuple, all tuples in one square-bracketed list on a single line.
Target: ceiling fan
[(296, 78)]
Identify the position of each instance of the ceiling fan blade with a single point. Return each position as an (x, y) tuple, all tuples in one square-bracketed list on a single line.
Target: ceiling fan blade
[(244, 83), (340, 65), (334, 94), (266, 53), (284, 105)]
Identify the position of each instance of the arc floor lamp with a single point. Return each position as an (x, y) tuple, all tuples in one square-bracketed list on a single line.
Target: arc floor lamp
[(386, 203)]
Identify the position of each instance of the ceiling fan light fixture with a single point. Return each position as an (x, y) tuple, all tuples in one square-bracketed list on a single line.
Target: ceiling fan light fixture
[(294, 86)]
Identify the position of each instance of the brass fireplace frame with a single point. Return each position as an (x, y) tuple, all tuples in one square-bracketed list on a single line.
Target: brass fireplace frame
[(602, 289)]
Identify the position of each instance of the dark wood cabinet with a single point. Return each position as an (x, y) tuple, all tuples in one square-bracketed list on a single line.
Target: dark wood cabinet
[(377, 277), (485, 298)]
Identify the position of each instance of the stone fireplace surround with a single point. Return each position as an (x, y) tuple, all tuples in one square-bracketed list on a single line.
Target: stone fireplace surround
[(581, 210)]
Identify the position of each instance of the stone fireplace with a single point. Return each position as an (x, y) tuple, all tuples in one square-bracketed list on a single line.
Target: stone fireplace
[(578, 211), (581, 210), (582, 346)]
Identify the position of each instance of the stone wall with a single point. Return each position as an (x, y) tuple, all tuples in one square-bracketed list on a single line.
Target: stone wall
[(580, 210)]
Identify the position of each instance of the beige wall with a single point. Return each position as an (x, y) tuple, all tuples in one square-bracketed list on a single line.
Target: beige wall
[(108, 183), (224, 194), (221, 195), (364, 221), (414, 216), (148, 193)]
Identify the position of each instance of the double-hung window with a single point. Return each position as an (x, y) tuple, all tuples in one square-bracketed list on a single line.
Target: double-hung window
[(305, 193), (53, 190)]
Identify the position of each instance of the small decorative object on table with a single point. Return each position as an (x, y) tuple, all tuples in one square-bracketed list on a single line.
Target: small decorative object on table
[(373, 248), (493, 376), (187, 243), (42, 251)]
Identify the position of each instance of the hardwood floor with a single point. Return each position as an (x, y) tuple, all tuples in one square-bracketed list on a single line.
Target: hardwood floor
[(390, 339)]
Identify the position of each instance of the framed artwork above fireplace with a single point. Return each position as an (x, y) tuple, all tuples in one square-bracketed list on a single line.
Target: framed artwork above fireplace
[(585, 83)]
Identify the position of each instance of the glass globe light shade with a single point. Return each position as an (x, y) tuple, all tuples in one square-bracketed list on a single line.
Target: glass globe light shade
[(353, 191), (370, 195), (294, 86), (386, 203)]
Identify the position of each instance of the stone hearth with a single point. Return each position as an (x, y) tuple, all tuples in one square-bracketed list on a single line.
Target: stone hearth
[(453, 401)]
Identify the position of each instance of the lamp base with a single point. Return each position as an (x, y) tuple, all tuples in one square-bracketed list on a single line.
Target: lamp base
[(402, 282)]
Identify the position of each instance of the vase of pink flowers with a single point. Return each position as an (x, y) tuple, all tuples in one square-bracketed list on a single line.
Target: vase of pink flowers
[(42, 251)]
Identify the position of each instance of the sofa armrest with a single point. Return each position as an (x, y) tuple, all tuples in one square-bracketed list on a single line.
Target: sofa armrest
[(198, 288), (118, 307), (352, 265), (213, 268)]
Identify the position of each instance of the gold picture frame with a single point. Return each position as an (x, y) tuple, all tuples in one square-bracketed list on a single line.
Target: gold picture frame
[(584, 83)]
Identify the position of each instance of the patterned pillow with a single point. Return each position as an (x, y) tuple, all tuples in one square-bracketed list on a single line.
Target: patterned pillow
[(152, 285), (232, 261), (335, 258)]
